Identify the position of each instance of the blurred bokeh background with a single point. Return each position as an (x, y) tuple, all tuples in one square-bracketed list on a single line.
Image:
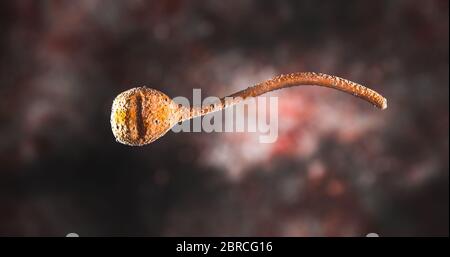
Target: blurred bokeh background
[(339, 168)]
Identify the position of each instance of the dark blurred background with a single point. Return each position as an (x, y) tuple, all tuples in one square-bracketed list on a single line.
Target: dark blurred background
[(339, 168)]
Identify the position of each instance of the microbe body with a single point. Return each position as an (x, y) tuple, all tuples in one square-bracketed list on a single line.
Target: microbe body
[(141, 115)]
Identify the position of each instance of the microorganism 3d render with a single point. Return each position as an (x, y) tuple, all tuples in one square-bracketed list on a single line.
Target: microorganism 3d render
[(141, 115)]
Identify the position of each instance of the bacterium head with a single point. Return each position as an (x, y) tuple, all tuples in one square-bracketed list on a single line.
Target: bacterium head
[(141, 115)]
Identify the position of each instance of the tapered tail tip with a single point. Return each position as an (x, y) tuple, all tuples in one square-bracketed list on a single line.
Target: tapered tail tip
[(384, 104)]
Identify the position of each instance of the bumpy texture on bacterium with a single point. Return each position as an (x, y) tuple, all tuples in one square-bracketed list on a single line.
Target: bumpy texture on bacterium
[(141, 115)]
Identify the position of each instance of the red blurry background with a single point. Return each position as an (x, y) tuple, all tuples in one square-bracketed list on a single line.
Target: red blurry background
[(339, 167)]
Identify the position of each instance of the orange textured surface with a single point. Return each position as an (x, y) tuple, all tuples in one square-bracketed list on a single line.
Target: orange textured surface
[(141, 115)]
